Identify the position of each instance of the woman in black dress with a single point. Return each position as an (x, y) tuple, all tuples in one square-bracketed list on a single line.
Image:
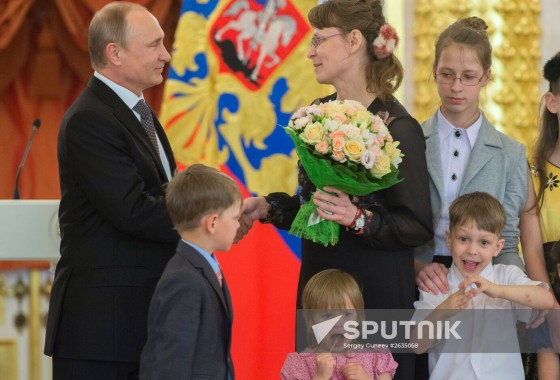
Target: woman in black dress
[(352, 49)]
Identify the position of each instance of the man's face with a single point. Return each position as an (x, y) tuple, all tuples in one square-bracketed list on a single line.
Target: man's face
[(143, 60)]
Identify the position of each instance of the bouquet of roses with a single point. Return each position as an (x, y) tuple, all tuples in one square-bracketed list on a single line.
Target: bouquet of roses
[(341, 144)]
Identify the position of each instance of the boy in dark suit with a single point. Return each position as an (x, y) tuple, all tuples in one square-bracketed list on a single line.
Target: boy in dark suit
[(190, 317)]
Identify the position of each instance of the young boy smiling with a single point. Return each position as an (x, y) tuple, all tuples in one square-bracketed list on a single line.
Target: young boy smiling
[(476, 221)]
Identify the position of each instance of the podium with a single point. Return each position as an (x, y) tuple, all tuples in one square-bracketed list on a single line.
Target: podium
[(29, 230), (29, 234)]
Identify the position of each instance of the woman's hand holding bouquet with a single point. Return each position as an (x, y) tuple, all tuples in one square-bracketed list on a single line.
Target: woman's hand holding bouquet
[(343, 145)]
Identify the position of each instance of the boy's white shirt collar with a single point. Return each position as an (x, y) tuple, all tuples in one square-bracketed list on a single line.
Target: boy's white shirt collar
[(455, 277), (127, 96)]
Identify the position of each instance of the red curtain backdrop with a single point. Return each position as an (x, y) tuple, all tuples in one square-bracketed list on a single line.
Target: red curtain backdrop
[(45, 65)]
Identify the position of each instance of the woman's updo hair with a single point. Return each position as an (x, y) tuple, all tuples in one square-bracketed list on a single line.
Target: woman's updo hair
[(470, 32), (384, 75), (552, 73)]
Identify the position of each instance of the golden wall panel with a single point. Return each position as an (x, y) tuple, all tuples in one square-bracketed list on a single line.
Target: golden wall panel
[(8, 359)]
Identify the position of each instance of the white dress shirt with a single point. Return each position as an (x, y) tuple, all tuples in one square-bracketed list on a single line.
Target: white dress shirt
[(130, 99), (476, 363), (455, 149)]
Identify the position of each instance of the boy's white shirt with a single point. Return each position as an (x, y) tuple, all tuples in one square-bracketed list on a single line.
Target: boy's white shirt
[(506, 366)]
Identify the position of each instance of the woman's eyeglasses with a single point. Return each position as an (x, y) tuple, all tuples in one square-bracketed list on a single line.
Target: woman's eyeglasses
[(316, 41)]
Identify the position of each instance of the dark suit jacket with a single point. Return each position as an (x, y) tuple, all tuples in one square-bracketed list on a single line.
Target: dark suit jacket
[(189, 323), (117, 236)]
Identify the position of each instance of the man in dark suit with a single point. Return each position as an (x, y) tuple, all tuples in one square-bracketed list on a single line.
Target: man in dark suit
[(117, 236)]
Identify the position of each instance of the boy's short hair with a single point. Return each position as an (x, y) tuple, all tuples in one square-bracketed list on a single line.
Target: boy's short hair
[(478, 207), (197, 191)]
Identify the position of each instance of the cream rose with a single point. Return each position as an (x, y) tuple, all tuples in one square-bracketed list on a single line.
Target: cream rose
[(363, 116), (393, 152), (381, 167), (334, 108), (354, 149), (313, 133)]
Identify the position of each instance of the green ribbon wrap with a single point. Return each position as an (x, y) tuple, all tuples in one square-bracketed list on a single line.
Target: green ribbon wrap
[(348, 177)]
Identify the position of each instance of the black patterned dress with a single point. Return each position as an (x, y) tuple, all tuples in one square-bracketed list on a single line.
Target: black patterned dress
[(382, 258)]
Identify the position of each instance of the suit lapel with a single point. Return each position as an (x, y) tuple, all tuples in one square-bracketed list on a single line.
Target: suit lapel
[(433, 154), (165, 144), (227, 298), (131, 123), (204, 267), (482, 152)]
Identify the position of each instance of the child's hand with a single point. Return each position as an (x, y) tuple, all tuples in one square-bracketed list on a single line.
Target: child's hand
[(325, 365), (482, 286), (354, 371), (456, 302)]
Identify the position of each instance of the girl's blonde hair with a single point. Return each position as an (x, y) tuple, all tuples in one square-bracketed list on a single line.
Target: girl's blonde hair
[(330, 289)]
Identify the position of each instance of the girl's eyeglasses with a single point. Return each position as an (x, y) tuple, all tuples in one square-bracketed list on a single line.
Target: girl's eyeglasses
[(465, 79)]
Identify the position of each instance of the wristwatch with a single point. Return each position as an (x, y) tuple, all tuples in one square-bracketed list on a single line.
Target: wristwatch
[(359, 221)]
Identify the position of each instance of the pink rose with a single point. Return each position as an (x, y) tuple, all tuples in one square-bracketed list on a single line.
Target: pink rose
[(339, 156), (322, 147), (338, 144)]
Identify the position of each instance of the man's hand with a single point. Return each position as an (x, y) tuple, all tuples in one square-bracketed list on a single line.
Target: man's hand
[(253, 208), (245, 225)]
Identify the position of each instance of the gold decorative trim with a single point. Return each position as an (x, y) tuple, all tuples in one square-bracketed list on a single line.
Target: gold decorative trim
[(35, 339), (8, 359)]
